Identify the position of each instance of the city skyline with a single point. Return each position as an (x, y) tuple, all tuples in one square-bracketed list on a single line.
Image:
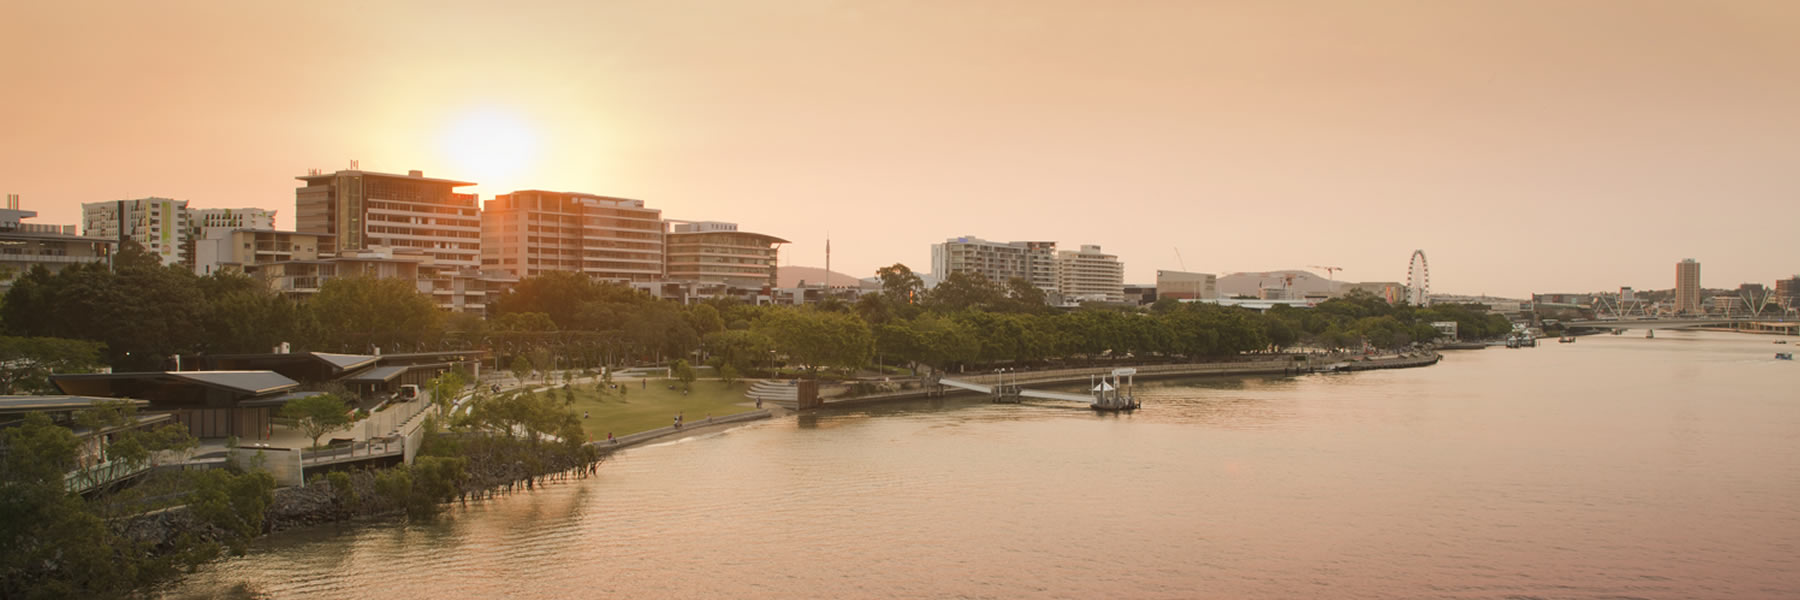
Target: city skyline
[(1522, 150)]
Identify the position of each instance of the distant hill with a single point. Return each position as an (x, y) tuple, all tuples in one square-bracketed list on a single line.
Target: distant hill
[(788, 277)]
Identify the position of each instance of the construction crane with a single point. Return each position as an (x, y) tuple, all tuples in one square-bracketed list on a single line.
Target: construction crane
[(1178, 260), (1330, 272)]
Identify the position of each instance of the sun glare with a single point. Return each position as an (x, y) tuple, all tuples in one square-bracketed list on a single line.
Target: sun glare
[(489, 144)]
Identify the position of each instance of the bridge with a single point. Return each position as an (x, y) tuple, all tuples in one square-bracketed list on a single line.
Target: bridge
[(1678, 323)]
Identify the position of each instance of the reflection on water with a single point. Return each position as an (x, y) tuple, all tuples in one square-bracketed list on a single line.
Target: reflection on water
[(1613, 467)]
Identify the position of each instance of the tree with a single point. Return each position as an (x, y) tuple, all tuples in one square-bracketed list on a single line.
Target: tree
[(900, 284), (355, 313), (965, 291), (738, 348), (318, 415), (520, 367), (684, 373), (26, 363), (817, 338)]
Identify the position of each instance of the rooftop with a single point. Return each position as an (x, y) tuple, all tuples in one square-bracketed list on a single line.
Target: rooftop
[(314, 179)]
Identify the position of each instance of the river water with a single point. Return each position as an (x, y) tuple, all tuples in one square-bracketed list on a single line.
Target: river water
[(1615, 467)]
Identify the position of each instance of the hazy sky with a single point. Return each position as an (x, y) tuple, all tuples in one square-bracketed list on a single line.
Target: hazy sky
[(1525, 146)]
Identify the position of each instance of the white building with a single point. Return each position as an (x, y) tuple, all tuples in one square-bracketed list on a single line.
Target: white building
[(998, 261), (160, 225), (1090, 275)]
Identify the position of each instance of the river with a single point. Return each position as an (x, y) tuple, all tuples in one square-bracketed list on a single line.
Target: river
[(1615, 467)]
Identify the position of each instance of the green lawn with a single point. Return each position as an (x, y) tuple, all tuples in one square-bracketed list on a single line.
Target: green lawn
[(643, 408)]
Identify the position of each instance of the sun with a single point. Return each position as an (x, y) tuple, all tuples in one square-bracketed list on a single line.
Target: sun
[(489, 144)]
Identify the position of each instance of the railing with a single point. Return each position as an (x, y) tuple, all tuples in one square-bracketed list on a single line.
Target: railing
[(372, 448)]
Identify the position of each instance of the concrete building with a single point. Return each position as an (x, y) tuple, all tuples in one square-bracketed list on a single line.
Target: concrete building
[(363, 210), (451, 286), (1183, 285), (54, 247), (239, 249), (160, 225), (714, 252), (1687, 287), (612, 239), (1000, 262), (1090, 275)]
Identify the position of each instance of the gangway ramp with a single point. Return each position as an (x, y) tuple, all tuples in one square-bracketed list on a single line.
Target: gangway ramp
[(988, 389)]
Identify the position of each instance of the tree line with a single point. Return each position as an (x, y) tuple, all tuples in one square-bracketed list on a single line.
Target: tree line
[(138, 313)]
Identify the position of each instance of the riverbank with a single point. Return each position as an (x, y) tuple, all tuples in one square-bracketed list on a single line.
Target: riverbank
[(1291, 364)]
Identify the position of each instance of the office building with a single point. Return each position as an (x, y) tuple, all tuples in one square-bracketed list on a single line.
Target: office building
[(611, 239), (714, 252), (365, 210), (54, 247), (1000, 262), (1089, 275), (1687, 287), (1182, 285)]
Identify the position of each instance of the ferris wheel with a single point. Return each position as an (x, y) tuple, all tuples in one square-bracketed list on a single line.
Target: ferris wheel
[(1418, 279)]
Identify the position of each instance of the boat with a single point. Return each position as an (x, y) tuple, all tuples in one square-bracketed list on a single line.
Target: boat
[(1567, 339), (1781, 341), (1784, 355)]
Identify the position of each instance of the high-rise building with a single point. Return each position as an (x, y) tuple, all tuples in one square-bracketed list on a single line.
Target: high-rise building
[(1687, 287), (714, 252), (1183, 285), (26, 245), (998, 261), (363, 210), (160, 225), (1090, 275), (611, 239)]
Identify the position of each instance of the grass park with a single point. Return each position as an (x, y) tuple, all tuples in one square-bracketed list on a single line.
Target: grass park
[(647, 404)]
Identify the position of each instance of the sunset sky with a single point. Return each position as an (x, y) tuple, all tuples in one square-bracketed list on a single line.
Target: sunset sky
[(1562, 146)]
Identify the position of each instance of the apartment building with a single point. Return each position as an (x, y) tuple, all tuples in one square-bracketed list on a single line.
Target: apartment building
[(715, 252), (529, 232), (364, 210), (54, 247), (998, 261), (1090, 275), (160, 225)]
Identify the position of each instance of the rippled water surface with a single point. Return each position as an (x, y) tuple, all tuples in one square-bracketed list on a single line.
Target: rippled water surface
[(1616, 467)]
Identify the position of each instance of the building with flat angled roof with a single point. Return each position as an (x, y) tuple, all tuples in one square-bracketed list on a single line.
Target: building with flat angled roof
[(714, 252), (364, 210), (611, 239)]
